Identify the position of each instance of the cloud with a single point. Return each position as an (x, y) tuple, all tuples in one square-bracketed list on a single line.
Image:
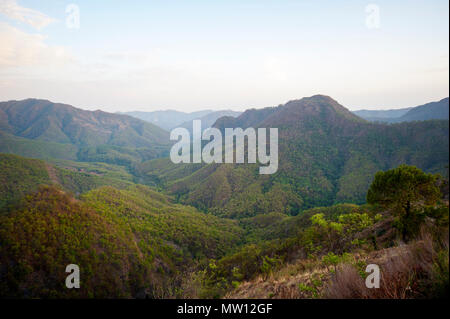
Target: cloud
[(21, 49), (36, 19)]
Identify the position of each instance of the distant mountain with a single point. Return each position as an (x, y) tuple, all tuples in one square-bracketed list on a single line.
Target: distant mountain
[(92, 135), (327, 155), (209, 119), (167, 119), (380, 115), (430, 111)]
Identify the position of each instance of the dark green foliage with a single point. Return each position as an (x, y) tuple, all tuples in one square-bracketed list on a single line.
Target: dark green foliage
[(278, 226), (405, 190)]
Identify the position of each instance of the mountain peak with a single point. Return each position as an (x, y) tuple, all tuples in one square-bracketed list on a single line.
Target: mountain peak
[(292, 113), (316, 106), (315, 98)]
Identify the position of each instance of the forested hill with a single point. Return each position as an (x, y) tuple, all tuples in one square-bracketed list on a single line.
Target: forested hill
[(85, 135), (326, 155)]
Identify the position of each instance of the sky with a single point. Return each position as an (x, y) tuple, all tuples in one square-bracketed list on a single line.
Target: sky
[(190, 55)]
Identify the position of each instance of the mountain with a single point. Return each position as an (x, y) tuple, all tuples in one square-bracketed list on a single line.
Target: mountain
[(430, 111), (326, 155), (168, 119), (318, 106), (90, 135)]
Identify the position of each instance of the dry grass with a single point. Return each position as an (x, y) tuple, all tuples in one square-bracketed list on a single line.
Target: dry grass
[(406, 272), (285, 284)]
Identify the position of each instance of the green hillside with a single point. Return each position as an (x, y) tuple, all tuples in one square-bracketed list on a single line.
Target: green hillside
[(35, 148), (128, 242), (20, 176), (161, 223), (49, 230)]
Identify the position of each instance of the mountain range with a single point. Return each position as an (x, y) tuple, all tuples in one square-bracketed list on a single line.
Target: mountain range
[(171, 119), (327, 155)]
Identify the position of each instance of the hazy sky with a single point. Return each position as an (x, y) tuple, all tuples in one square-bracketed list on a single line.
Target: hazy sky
[(190, 55)]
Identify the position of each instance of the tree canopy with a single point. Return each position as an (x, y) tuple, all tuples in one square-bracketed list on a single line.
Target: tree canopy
[(404, 190)]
